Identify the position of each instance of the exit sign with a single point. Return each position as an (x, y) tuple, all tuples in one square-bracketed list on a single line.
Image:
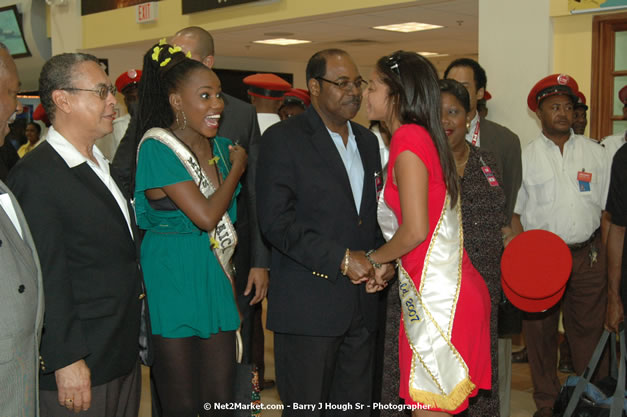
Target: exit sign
[(146, 12)]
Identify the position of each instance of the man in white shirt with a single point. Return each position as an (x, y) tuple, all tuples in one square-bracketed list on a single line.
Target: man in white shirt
[(564, 189), (614, 142), (87, 239), (266, 95)]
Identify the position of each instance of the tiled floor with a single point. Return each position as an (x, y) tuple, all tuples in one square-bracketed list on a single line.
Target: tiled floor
[(522, 404)]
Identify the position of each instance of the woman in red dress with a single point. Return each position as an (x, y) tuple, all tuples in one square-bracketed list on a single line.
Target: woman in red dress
[(444, 340)]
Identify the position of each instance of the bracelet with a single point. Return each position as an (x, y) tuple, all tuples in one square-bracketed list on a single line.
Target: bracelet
[(370, 252), (346, 261)]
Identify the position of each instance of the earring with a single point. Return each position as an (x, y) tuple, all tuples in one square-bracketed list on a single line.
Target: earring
[(467, 126), (178, 122)]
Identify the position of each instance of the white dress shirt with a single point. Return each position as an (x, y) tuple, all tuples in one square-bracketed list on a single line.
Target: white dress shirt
[(266, 120), (550, 197), (352, 162), (471, 131), (73, 158), (613, 143), (108, 144)]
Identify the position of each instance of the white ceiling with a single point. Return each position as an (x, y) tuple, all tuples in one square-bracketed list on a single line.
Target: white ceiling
[(353, 32)]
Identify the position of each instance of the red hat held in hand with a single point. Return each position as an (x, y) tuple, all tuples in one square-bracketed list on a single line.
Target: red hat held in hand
[(534, 270)]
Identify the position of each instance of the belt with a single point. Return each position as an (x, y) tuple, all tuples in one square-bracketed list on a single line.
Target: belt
[(577, 246)]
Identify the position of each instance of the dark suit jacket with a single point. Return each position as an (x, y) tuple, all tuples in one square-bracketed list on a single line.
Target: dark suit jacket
[(307, 213), (90, 267), (505, 147)]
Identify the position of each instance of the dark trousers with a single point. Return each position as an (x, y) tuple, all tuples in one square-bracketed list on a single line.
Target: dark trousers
[(117, 398), (584, 304), (332, 374)]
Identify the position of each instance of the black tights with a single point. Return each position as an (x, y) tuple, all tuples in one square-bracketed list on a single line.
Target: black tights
[(191, 371)]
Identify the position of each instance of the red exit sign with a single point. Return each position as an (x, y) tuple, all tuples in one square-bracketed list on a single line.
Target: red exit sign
[(146, 12)]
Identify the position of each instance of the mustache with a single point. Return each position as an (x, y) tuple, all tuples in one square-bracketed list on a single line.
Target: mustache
[(353, 100)]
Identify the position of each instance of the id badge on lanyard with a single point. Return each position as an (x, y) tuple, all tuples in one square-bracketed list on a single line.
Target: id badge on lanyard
[(475, 135), (584, 179), (489, 175)]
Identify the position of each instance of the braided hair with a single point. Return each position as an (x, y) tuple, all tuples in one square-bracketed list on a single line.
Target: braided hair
[(165, 68)]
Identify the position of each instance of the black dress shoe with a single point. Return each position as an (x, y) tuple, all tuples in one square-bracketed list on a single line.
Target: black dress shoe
[(520, 356), (544, 412)]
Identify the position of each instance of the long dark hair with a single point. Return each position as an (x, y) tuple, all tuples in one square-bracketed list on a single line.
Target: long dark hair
[(413, 88), (165, 68)]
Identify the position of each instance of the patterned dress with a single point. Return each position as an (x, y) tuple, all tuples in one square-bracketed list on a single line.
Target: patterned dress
[(483, 216)]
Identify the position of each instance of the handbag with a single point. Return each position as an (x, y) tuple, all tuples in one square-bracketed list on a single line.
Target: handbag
[(510, 318), (580, 398)]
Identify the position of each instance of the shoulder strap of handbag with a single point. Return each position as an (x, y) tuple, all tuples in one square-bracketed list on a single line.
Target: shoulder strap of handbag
[(223, 237)]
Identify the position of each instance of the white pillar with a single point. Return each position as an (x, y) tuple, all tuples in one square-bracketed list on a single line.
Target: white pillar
[(515, 49), (66, 30)]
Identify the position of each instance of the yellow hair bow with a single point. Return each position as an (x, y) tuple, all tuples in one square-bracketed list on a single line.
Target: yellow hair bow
[(155, 53), (214, 160), (174, 49), (214, 243), (165, 62), (162, 42)]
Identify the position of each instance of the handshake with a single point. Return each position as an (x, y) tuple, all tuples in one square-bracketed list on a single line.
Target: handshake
[(359, 268)]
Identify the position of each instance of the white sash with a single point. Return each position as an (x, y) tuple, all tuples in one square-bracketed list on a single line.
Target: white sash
[(223, 238), (438, 375)]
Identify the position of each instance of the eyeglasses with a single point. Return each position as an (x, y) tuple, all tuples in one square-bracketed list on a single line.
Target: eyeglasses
[(392, 63), (102, 91), (347, 85)]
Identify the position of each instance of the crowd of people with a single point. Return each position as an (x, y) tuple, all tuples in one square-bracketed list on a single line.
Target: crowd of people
[(379, 254)]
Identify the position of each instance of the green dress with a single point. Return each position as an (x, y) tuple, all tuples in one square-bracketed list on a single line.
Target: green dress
[(188, 293)]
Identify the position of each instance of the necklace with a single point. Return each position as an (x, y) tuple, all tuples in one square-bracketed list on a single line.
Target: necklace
[(461, 164)]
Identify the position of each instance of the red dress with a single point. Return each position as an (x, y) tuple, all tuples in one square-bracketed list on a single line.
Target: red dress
[(471, 325)]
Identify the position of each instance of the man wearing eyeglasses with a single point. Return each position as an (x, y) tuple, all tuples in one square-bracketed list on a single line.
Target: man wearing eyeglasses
[(85, 234), (317, 182)]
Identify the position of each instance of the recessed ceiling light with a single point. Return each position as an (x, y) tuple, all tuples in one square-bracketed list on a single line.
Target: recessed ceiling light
[(281, 41), (431, 54), (407, 27)]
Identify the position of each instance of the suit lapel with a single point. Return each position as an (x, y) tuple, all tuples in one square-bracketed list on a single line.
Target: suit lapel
[(96, 187), (322, 142), (25, 252), (366, 163)]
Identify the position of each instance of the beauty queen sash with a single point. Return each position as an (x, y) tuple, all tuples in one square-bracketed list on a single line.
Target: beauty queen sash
[(438, 375), (223, 238)]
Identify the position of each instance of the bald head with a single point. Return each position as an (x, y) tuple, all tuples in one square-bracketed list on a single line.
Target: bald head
[(198, 42), (9, 88)]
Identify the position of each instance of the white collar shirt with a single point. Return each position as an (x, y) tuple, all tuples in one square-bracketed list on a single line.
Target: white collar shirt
[(73, 158), (471, 131), (551, 197), (266, 120), (352, 162), (613, 143)]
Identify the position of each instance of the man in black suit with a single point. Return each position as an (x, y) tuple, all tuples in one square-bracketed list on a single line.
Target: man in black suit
[(316, 200), (85, 234)]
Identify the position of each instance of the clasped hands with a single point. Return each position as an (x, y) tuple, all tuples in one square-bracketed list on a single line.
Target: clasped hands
[(360, 271)]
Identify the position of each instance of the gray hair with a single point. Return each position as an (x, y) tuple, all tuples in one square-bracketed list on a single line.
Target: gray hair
[(58, 73)]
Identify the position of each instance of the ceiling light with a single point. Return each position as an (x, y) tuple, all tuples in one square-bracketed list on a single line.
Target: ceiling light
[(431, 54), (407, 27), (281, 41)]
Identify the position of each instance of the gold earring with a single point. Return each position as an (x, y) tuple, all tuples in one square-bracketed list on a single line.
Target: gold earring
[(467, 126), (178, 122)]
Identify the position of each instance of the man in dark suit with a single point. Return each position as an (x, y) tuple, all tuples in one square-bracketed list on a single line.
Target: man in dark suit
[(505, 146), (316, 200), (86, 237), (21, 290)]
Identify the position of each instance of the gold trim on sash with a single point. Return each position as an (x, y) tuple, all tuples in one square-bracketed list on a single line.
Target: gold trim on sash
[(439, 376)]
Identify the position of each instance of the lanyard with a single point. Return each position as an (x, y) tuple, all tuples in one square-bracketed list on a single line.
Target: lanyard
[(475, 135)]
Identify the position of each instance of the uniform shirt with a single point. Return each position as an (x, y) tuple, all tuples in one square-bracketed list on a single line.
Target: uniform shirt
[(352, 162), (108, 144), (266, 120), (613, 143), (471, 131), (550, 197), (73, 158)]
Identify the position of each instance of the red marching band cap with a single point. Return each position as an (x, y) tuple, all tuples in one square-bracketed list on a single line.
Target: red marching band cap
[(268, 86), (297, 96), (622, 95), (552, 85), (534, 270), (128, 79), (581, 101), (487, 96)]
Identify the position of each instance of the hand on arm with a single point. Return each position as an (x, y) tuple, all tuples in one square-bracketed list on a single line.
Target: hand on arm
[(74, 386)]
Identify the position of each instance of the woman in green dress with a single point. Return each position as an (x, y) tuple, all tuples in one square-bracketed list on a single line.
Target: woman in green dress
[(186, 183)]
